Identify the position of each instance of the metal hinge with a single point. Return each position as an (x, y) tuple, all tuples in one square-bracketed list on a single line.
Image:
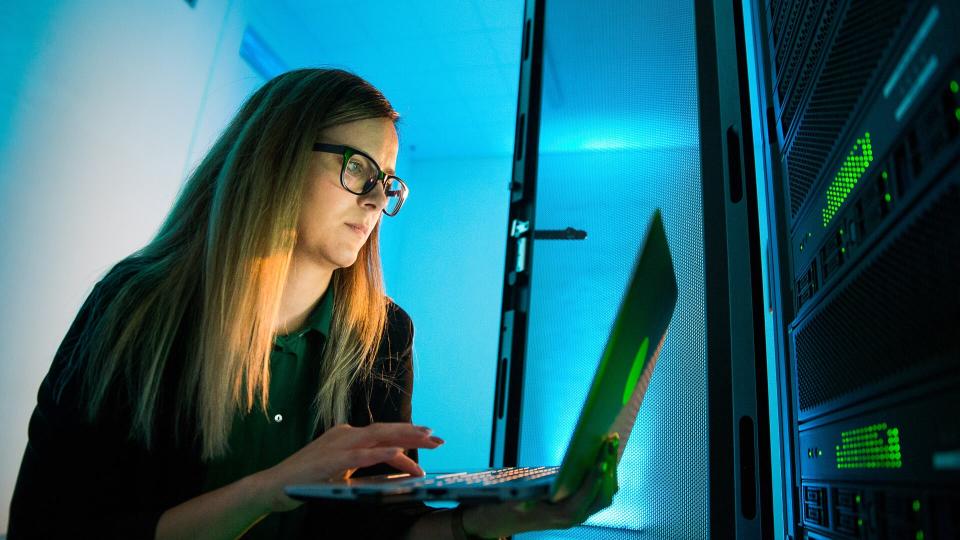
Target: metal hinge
[(518, 227), (521, 263)]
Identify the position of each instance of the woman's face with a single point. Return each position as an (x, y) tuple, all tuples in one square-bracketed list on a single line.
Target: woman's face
[(334, 223)]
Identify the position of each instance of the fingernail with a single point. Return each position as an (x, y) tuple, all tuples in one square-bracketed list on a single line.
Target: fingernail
[(424, 429), (437, 440)]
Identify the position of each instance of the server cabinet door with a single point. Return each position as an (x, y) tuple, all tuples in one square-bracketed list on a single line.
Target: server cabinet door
[(740, 488)]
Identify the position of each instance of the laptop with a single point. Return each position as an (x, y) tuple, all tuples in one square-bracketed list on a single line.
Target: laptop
[(612, 403)]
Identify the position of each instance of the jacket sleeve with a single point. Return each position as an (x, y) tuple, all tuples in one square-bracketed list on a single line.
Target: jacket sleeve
[(386, 397), (76, 476)]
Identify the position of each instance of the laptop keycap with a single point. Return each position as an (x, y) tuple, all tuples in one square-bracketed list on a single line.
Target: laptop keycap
[(485, 478)]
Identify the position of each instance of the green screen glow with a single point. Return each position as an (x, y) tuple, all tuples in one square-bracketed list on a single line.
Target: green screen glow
[(871, 447), (860, 157), (634, 376)]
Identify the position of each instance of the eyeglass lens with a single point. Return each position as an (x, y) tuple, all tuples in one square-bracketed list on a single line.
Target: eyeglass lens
[(395, 196), (360, 176)]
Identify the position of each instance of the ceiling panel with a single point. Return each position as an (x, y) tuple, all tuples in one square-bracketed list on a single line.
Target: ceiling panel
[(445, 65)]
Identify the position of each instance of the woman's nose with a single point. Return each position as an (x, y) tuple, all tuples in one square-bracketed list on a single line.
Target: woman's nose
[(376, 198)]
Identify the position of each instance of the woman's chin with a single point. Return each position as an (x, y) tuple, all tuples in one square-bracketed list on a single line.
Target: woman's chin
[(345, 260), (339, 259)]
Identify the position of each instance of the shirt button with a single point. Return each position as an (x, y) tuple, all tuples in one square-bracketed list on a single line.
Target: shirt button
[(278, 418)]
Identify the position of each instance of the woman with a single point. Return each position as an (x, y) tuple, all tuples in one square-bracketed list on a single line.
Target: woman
[(250, 346)]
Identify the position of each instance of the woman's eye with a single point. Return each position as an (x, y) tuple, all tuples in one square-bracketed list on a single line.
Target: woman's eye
[(354, 167)]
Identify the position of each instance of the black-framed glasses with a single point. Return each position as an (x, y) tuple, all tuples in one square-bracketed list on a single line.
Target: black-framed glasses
[(360, 173)]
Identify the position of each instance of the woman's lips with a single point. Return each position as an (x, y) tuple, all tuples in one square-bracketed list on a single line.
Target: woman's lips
[(357, 228)]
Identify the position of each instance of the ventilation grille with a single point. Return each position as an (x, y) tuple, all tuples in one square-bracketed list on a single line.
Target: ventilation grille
[(786, 30), (898, 316), (796, 78), (854, 53)]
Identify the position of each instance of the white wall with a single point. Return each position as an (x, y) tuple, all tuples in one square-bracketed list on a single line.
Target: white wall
[(100, 106), (443, 261)]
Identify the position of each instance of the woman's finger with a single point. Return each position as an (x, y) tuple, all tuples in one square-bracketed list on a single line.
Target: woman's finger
[(578, 505), (597, 490), (405, 464), (388, 434), (608, 489), (571, 510), (391, 455), (610, 482), (363, 457)]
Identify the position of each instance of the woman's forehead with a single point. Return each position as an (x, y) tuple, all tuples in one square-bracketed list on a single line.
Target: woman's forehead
[(374, 136)]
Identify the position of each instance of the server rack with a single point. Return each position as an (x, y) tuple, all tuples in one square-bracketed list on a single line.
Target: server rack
[(861, 108)]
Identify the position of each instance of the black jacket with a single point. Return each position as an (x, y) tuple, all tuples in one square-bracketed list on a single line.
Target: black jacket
[(92, 480)]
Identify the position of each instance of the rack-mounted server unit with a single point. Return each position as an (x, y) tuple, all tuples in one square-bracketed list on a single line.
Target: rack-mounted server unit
[(861, 108)]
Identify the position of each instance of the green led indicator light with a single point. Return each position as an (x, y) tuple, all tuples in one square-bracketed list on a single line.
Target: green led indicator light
[(956, 112), (916, 505), (860, 522), (954, 87), (843, 250), (886, 197), (919, 535), (847, 177), (858, 499), (866, 448)]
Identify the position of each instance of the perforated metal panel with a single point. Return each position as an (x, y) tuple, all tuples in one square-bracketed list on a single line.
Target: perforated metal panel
[(805, 57), (619, 135), (812, 124)]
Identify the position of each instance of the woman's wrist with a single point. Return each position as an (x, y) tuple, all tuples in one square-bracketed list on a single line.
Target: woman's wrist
[(268, 492), (457, 528), (226, 512), (472, 523)]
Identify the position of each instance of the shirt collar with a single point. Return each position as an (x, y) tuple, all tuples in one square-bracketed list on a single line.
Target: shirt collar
[(322, 315), (318, 320)]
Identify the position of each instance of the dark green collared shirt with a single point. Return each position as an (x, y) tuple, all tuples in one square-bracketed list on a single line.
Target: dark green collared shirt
[(261, 439)]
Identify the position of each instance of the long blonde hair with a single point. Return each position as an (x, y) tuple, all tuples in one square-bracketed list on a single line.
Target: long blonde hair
[(213, 275)]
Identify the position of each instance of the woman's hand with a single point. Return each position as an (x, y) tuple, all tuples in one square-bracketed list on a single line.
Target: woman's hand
[(595, 493), (340, 451)]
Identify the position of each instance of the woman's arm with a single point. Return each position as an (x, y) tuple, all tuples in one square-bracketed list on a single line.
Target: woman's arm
[(229, 511), (79, 479), (223, 513)]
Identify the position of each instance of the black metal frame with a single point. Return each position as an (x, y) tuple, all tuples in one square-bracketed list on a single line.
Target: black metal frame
[(740, 501), (781, 299), (505, 438)]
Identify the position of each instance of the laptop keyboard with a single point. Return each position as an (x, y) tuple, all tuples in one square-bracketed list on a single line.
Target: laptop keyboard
[(486, 478)]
